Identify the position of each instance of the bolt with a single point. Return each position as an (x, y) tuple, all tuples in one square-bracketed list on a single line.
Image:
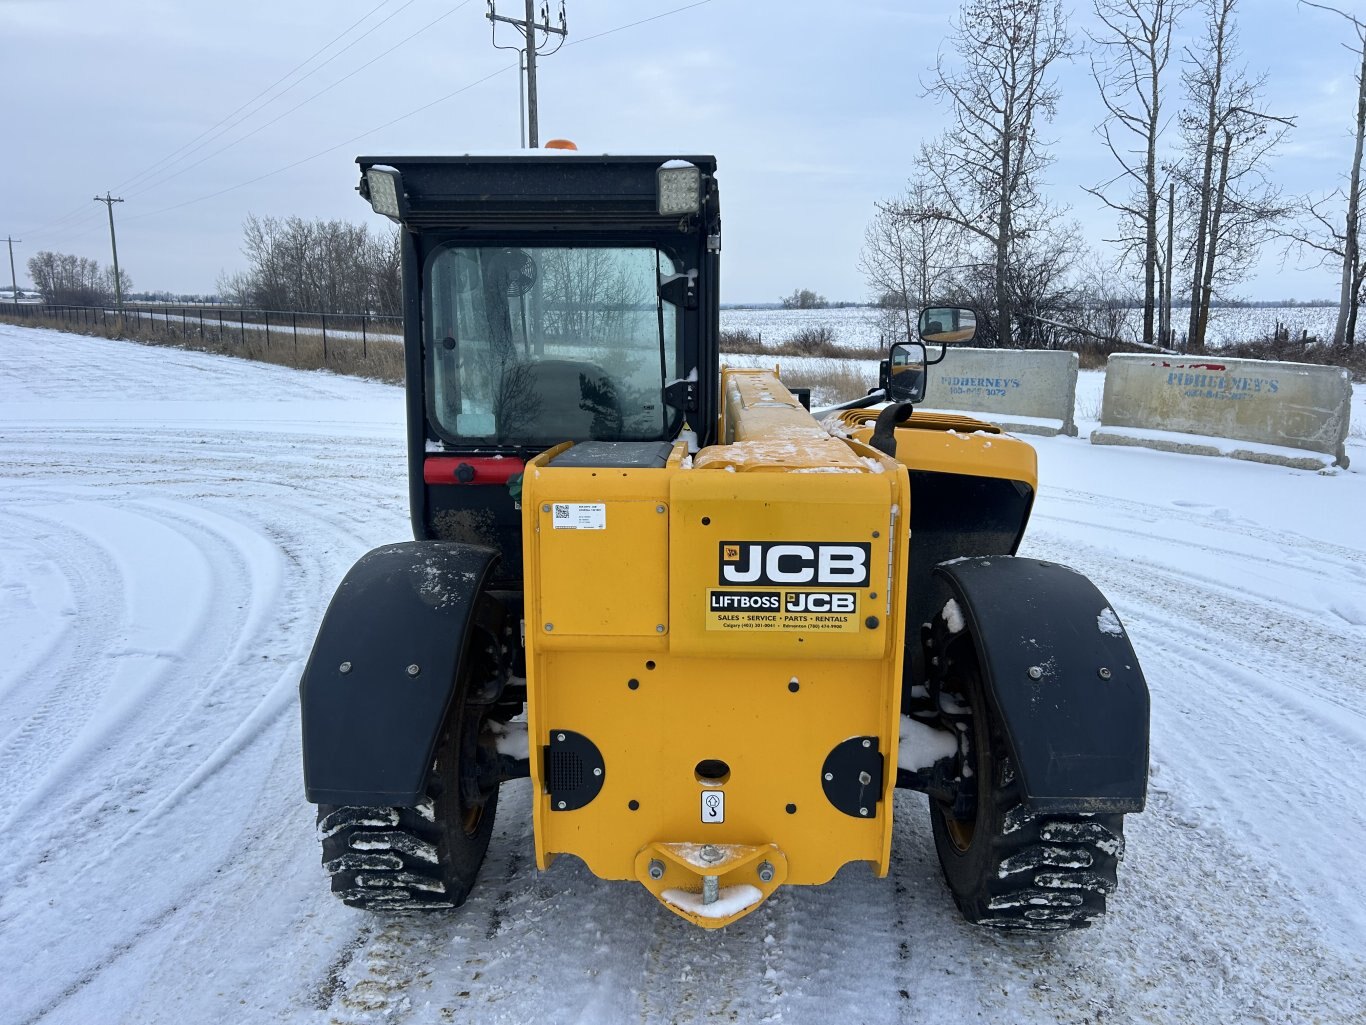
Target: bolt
[(871, 622), (864, 778), (1104, 673), (829, 776), (867, 743), (659, 629), (345, 667), (414, 669), (549, 627), (711, 854), (863, 811), (1035, 673), (765, 872), (711, 889), (545, 508), (560, 737), (659, 508), (656, 869), (562, 806), (597, 772)]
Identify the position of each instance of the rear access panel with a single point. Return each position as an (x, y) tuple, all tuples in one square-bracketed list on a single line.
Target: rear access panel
[(602, 566)]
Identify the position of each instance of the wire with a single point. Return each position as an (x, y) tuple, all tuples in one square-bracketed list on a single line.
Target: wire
[(147, 187), (402, 117), (74, 214), (252, 113), (323, 153), (642, 21)]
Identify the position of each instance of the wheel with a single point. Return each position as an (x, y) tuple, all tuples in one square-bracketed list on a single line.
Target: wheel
[(1007, 866), (413, 859)]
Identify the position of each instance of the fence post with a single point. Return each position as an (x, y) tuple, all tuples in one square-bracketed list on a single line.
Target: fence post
[(363, 353), (323, 318), (265, 315), (294, 321), (242, 322), (220, 325), (201, 323)]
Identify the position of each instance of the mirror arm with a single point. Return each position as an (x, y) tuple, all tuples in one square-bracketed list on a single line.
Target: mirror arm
[(862, 402), (884, 432)]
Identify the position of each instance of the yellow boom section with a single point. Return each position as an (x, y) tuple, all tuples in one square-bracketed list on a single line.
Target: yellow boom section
[(714, 654)]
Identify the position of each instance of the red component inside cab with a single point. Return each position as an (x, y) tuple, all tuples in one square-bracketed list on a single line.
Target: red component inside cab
[(471, 469)]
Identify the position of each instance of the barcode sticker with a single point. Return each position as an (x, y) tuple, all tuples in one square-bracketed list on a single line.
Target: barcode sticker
[(578, 516)]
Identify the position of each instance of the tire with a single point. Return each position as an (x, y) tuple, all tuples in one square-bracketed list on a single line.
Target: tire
[(1007, 866), (411, 859)]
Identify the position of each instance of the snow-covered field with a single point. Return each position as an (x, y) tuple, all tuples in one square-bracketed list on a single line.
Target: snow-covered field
[(171, 527), (859, 326)]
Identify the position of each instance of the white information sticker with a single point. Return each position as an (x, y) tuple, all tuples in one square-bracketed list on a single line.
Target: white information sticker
[(713, 806), (578, 516)]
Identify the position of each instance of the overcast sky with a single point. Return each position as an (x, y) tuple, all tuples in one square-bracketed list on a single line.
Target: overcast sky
[(814, 111)]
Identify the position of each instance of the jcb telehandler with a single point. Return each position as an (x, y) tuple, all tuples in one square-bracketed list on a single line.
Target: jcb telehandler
[(733, 629)]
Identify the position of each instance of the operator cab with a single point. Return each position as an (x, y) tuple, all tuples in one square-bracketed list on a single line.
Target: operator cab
[(549, 296)]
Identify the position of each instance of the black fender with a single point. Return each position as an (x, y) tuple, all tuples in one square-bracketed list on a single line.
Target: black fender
[(384, 670), (1062, 679)]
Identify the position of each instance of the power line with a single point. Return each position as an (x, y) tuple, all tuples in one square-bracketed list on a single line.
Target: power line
[(13, 280), (66, 219), (402, 117), (108, 200), (330, 149), (148, 186), (529, 28), (288, 74), (642, 21)]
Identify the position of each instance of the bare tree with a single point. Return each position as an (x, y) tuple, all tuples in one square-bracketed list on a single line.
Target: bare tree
[(984, 172), (331, 266), (1228, 138), (906, 251), (1134, 48), (74, 280), (1321, 233)]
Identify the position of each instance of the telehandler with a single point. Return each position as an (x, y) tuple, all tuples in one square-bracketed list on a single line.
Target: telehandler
[(716, 632)]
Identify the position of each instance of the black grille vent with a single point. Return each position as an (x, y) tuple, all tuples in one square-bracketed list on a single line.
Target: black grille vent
[(574, 770), (565, 772)]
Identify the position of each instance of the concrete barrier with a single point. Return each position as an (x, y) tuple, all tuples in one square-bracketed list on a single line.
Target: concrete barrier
[(1026, 391), (1245, 408)]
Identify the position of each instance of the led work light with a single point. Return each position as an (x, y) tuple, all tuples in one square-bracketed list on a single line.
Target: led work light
[(679, 186), (384, 188)]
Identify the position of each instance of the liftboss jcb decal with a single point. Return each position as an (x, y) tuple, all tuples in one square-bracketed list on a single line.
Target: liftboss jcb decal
[(788, 585)]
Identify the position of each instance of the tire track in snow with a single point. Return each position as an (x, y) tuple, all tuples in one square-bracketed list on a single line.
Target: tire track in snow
[(41, 707), (1259, 716)]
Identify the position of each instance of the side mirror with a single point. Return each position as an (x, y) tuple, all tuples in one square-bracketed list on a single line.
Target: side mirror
[(906, 377), (947, 324)]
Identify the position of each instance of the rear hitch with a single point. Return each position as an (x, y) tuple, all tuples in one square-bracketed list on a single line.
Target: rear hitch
[(711, 885)]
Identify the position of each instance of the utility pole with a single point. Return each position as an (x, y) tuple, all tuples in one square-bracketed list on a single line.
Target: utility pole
[(529, 28), (12, 279), (109, 202)]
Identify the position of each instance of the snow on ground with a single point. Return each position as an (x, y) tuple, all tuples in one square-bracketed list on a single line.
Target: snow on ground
[(173, 524)]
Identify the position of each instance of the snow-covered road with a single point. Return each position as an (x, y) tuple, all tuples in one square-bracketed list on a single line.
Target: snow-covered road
[(171, 527)]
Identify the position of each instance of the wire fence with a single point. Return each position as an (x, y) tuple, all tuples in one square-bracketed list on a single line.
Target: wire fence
[(204, 322), (367, 344)]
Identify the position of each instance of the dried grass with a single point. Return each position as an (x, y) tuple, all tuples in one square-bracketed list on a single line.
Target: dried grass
[(379, 359)]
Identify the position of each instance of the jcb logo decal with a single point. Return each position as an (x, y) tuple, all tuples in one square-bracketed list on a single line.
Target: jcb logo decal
[(794, 562)]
